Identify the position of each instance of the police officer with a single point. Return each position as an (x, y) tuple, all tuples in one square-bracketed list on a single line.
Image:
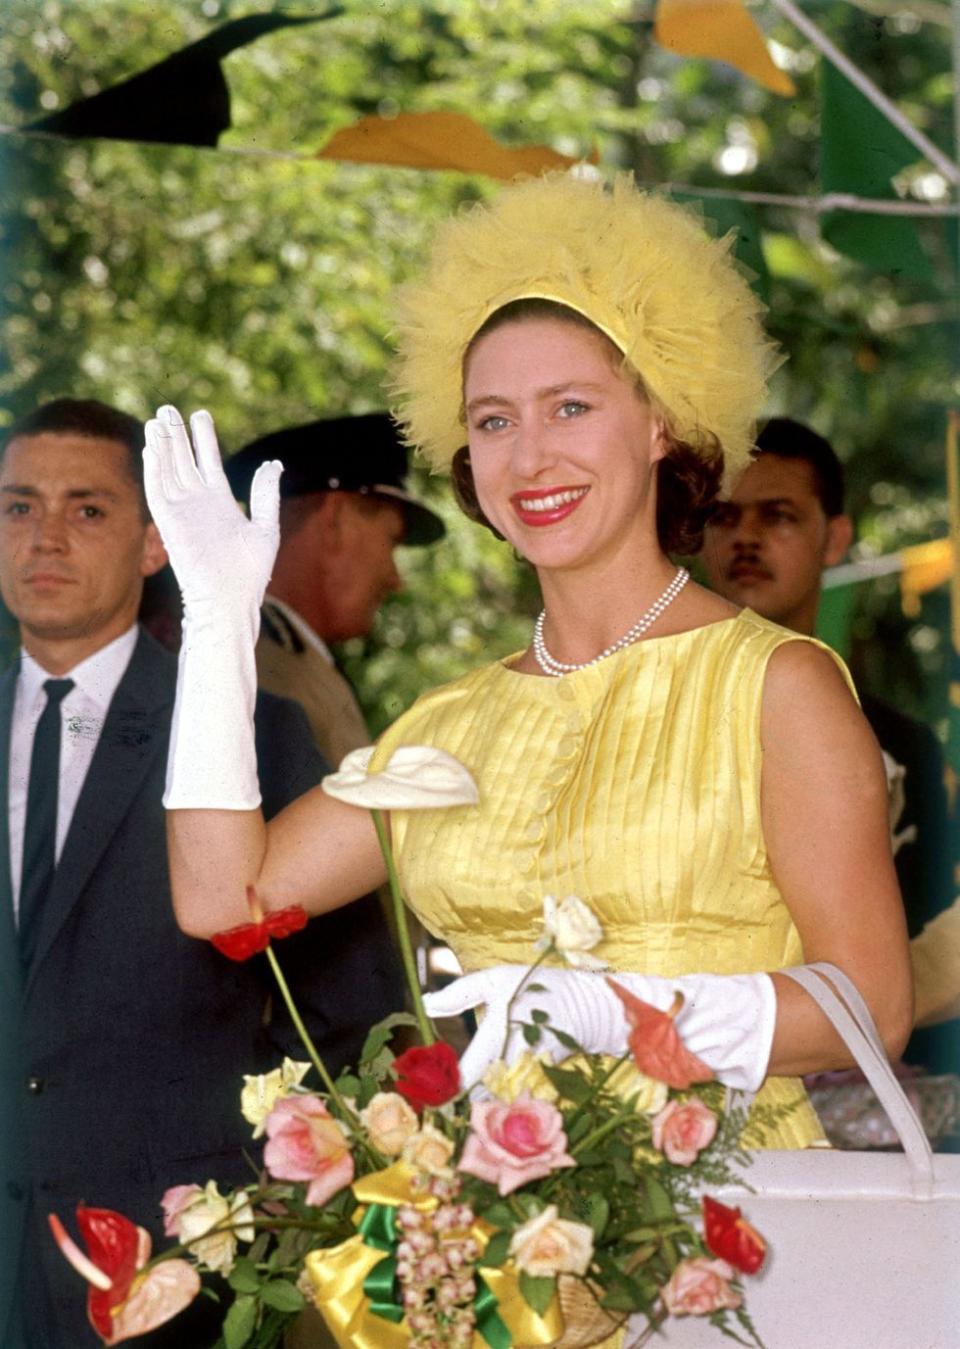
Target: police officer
[(344, 510)]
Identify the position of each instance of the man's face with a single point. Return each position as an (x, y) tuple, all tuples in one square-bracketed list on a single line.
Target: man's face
[(366, 574), (74, 547), (767, 547)]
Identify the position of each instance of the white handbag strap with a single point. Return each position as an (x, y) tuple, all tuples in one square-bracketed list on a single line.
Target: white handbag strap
[(855, 1026)]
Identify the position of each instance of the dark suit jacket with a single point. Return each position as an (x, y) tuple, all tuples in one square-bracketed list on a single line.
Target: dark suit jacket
[(124, 1075)]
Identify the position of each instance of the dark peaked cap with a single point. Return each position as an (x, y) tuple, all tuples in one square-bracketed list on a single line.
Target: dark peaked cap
[(339, 454)]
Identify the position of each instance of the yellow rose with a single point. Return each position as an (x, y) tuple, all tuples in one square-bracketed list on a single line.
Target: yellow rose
[(430, 1150), (390, 1122), (212, 1225), (628, 1081), (262, 1092), (524, 1074), (549, 1245)]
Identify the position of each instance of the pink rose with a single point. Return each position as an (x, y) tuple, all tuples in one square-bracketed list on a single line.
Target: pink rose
[(682, 1131), (306, 1143), (174, 1201), (511, 1143), (698, 1287)]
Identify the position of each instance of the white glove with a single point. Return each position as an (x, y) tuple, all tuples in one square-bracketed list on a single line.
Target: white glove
[(222, 562), (727, 1020)]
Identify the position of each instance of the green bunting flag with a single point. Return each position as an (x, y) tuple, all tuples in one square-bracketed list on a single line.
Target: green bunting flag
[(861, 152)]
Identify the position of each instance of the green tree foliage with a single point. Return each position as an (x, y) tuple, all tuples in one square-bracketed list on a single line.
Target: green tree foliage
[(259, 286)]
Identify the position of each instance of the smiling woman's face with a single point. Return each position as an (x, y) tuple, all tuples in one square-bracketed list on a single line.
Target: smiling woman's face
[(563, 446)]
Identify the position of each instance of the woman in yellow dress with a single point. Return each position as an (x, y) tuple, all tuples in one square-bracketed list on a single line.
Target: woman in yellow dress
[(703, 779)]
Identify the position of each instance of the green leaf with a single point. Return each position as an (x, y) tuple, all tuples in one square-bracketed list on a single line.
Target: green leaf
[(239, 1322), (348, 1084), (498, 1215), (661, 1205), (619, 1300), (539, 1016), (380, 1035), (597, 1213), (283, 1296), (571, 1086), (566, 1040), (243, 1277), (497, 1249), (537, 1293), (531, 1034)]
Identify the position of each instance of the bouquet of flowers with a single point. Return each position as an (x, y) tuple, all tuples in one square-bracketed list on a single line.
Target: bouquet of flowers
[(549, 1204)]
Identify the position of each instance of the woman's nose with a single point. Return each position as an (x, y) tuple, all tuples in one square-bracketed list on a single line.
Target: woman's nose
[(531, 449)]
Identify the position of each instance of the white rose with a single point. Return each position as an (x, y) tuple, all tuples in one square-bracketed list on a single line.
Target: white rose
[(430, 1151), (415, 777), (213, 1224), (574, 930), (262, 1092), (547, 1245), (390, 1122)]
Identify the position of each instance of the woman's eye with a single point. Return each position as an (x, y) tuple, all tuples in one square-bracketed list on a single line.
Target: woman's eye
[(18, 508), (492, 423), (572, 408), (90, 512)]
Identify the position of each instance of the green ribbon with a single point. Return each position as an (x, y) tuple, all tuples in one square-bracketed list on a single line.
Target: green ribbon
[(378, 1228), (489, 1324)]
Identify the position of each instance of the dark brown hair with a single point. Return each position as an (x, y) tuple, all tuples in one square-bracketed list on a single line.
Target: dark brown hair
[(90, 418), (688, 480)]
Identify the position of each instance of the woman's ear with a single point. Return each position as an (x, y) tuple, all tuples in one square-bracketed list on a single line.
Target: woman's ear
[(659, 439)]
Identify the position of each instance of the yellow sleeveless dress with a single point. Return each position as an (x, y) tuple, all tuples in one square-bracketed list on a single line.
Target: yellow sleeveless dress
[(633, 784)]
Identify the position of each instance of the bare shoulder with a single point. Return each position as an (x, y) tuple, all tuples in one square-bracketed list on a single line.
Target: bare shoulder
[(809, 709)]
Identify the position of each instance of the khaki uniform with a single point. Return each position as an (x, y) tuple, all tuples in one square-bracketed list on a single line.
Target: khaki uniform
[(290, 666)]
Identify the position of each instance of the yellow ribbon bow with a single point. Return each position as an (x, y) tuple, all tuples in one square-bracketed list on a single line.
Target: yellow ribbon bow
[(338, 1274)]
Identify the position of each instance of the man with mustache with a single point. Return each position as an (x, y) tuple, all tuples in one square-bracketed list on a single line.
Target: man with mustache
[(109, 1094), (766, 548)]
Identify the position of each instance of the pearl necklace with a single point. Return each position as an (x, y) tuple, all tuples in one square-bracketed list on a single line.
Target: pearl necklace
[(550, 666)]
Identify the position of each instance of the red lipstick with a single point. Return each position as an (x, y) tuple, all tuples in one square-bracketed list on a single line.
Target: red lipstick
[(546, 505)]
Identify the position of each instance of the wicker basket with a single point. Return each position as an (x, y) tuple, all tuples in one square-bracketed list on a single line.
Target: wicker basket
[(585, 1322)]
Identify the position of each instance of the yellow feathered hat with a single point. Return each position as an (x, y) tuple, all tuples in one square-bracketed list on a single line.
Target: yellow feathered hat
[(642, 269)]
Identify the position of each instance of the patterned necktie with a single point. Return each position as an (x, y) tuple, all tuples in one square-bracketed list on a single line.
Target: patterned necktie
[(40, 827)]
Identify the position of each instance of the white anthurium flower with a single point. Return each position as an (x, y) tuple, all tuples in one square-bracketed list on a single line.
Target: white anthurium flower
[(573, 929), (415, 777)]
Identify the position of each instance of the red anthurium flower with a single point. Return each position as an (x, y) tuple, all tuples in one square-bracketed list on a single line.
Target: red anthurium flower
[(731, 1237), (655, 1043), (428, 1074), (240, 943), (124, 1302)]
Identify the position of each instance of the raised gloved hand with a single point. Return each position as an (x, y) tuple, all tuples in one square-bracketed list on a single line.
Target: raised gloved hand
[(222, 562), (727, 1020), (219, 556)]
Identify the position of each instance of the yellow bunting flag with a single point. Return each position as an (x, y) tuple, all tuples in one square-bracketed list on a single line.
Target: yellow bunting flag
[(720, 30), (439, 140), (925, 566)]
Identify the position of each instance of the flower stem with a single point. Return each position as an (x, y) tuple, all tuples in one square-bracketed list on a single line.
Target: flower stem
[(403, 932), (304, 1034)]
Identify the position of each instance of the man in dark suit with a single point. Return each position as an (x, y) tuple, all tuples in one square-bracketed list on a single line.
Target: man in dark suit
[(124, 1041)]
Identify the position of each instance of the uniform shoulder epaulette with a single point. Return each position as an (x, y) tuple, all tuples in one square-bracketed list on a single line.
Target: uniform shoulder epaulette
[(279, 629)]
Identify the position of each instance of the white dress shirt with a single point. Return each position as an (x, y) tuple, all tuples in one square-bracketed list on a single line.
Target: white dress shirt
[(82, 715)]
